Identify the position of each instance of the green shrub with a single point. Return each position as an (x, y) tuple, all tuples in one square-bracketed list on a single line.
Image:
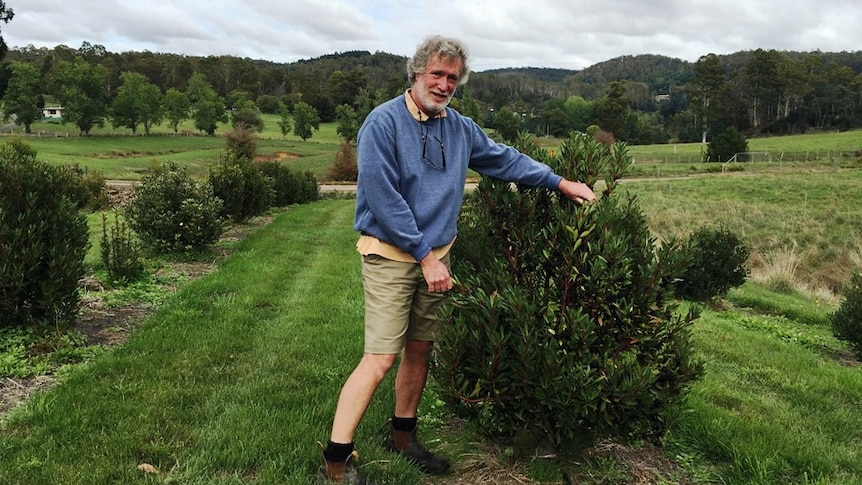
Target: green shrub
[(561, 322), (120, 250), (717, 263), (87, 188), (847, 320), (93, 184), (244, 189), (247, 119), (169, 211), (724, 146), (43, 241), (291, 188)]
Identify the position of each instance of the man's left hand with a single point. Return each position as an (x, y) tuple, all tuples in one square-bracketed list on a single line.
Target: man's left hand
[(577, 191)]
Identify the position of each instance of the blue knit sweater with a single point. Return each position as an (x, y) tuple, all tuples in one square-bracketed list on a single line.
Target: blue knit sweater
[(413, 203)]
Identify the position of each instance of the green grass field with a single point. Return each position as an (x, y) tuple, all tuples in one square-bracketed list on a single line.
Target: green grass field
[(123, 157), (120, 156), (235, 376)]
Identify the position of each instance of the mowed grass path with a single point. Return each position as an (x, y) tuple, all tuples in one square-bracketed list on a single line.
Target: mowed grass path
[(232, 381), (235, 378)]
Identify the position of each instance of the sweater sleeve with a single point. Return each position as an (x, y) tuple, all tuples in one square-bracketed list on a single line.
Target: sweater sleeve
[(383, 207), (504, 162)]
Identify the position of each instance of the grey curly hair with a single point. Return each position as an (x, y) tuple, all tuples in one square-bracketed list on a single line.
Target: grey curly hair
[(438, 46)]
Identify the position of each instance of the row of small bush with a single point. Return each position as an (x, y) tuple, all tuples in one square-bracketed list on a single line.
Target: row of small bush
[(171, 212), (44, 235)]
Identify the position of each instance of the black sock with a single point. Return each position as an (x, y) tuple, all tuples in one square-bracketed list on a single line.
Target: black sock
[(337, 452), (404, 424)]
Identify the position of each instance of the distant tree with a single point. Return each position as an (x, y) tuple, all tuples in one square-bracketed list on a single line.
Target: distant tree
[(704, 90), (764, 86), (469, 107), (343, 88), (612, 110), (208, 114), (348, 122), (6, 15), (238, 98), (305, 119), (198, 88), (284, 121), (247, 116), (364, 103), (81, 89), (507, 123), (579, 111), (554, 122), (267, 103), (207, 105), (176, 107), (23, 97), (138, 102)]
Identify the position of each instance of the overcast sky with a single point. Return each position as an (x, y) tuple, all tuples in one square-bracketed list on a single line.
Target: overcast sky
[(568, 34)]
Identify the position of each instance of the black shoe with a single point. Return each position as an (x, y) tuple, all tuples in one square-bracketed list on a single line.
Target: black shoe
[(426, 461), (346, 473)]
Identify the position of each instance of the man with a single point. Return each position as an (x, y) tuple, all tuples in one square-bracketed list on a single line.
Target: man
[(413, 155)]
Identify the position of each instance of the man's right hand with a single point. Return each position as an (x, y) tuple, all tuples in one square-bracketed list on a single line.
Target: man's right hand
[(436, 274)]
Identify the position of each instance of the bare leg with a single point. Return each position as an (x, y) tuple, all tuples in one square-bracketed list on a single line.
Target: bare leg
[(357, 393), (411, 377)]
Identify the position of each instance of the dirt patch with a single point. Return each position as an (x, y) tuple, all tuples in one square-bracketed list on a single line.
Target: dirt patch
[(275, 157), (99, 325), (111, 326)]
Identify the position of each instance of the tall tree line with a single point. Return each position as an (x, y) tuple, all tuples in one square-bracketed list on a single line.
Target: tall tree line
[(640, 99)]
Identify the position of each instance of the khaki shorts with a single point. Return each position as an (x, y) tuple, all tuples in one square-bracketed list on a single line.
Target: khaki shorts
[(398, 306)]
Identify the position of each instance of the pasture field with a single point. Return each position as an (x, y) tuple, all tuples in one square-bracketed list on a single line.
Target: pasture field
[(803, 227), (120, 156), (816, 202), (235, 375)]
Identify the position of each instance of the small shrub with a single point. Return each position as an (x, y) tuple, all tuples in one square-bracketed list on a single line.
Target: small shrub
[(345, 168), (93, 184), (604, 137), (244, 189), (120, 250), (169, 211), (847, 320), (247, 119), (241, 141), (727, 144), (718, 262), (289, 187), (86, 188), (43, 240)]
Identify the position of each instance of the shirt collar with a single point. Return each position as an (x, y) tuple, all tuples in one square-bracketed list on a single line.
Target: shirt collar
[(417, 113)]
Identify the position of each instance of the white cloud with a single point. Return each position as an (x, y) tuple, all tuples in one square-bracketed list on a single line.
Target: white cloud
[(501, 33)]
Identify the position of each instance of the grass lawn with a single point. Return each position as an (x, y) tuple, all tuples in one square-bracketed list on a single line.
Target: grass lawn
[(234, 378), (120, 156)]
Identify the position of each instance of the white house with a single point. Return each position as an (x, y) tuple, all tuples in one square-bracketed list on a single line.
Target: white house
[(51, 113)]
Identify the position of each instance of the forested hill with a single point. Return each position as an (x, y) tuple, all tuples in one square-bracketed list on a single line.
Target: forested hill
[(543, 74), (644, 98)]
